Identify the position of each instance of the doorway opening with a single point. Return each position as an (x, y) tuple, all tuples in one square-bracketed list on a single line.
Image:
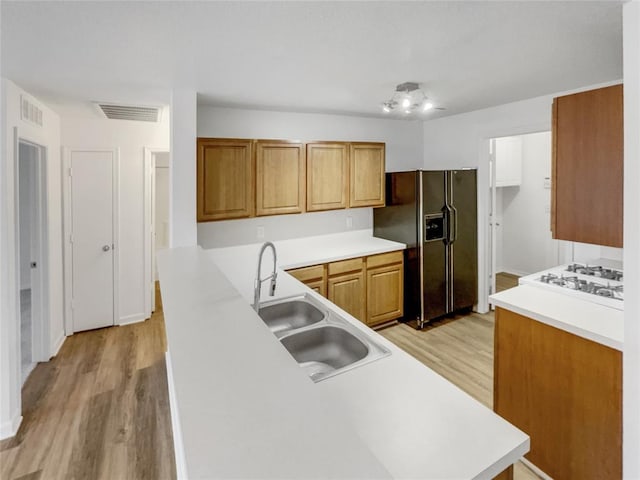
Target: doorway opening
[(157, 198), (31, 254), (520, 209)]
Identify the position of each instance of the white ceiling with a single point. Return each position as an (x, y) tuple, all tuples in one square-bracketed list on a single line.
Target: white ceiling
[(341, 57)]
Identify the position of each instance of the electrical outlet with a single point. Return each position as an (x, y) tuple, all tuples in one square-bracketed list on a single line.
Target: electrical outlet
[(547, 182), (260, 232), (349, 222), (547, 209)]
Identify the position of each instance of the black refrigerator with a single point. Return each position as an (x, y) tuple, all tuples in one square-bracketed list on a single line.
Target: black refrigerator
[(435, 214)]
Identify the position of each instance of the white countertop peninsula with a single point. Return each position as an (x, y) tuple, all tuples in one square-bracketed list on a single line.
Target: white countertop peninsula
[(585, 319), (244, 409)]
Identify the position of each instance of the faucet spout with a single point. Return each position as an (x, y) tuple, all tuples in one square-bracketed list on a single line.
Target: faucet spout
[(257, 284)]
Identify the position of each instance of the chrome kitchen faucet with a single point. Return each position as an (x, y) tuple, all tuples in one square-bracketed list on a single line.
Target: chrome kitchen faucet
[(257, 284)]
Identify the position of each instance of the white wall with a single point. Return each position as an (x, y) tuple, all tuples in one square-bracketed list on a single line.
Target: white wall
[(631, 357), (182, 217), (463, 141), (47, 135), (403, 141), (130, 137), (524, 217)]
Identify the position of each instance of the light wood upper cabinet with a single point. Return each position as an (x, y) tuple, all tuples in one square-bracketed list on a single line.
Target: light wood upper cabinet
[(327, 176), (280, 177), (366, 183), (385, 292), (346, 286), (224, 179), (587, 167)]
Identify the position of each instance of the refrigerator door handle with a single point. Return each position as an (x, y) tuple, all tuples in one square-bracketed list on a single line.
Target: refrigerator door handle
[(448, 224), (454, 237)]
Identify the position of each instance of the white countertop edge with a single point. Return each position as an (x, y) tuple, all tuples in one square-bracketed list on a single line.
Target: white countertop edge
[(178, 445), (502, 300), (505, 462), (336, 258)]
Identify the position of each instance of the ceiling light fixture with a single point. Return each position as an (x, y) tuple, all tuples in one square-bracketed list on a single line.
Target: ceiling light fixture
[(408, 98)]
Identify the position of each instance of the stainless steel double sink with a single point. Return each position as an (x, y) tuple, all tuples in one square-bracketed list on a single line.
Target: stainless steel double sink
[(322, 342)]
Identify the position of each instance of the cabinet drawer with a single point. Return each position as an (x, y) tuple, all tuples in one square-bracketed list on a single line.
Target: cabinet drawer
[(345, 266), (384, 259), (308, 274)]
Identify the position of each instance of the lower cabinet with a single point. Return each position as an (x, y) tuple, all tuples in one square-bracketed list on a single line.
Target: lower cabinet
[(385, 287), (346, 286), (565, 392), (314, 277), (369, 288)]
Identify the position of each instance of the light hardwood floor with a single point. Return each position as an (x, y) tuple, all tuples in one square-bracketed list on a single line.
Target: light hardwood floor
[(461, 350), (100, 409), (504, 281)]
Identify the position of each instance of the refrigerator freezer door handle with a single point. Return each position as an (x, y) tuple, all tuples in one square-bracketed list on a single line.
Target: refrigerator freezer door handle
[(448, 224), (454, 237)]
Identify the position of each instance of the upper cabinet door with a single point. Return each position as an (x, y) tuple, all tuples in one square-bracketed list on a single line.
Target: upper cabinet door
[(327, 176), (587, 169), (225, 179), (280, 177), (366, 175)]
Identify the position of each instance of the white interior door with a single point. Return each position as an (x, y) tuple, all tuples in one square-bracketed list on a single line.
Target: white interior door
[(92, 239)]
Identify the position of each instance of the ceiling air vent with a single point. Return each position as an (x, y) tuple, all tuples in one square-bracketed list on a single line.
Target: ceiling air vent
[(130, 112)]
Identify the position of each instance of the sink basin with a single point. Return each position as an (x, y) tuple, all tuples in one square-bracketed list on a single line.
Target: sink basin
[(322, 342), (323, 350), (291, 314)]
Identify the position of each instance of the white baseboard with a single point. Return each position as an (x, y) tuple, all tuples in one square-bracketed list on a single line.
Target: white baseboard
[(9, 428), (58, 345), (135, 318)]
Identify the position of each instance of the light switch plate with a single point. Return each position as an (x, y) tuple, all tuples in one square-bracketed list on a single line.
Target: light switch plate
[(349, 222), (260, 232)]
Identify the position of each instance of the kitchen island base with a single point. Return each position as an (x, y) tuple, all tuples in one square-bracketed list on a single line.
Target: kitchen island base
[(563, 390)]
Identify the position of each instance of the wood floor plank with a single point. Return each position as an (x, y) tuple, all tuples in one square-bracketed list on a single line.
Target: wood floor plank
[(461, 350), (98, 410)]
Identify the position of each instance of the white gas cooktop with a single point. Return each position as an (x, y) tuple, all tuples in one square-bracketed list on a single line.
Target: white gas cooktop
[(598, 282)]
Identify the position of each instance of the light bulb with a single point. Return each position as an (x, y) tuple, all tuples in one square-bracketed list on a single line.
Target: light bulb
[(386, 108), (406, 102), (407, 111), (427, 106)]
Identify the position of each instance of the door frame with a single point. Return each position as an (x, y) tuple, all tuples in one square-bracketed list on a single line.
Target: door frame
[(67, 231), (40, 314), (149, 192), (484, 202)]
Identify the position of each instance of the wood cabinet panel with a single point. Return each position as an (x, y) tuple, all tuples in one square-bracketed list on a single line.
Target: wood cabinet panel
[(385, 259), (348, 292), (280, 177), (345, 266), (384, 293), (224, 179), (366, 175), (588, 167), (314, 277), (327, 176), (565, 392)]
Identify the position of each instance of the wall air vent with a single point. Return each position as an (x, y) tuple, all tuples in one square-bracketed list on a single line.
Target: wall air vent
[(29, 112), (130, 112)]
